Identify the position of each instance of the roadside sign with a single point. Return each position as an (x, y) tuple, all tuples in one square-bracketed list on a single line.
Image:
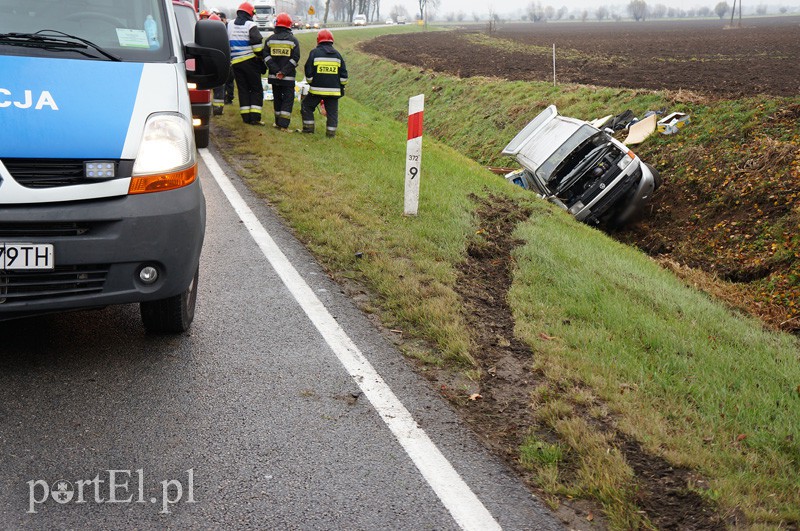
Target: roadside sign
[(311, 10), (416, 106)]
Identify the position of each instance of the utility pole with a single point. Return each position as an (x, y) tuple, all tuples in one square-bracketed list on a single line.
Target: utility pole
[(733, 12)]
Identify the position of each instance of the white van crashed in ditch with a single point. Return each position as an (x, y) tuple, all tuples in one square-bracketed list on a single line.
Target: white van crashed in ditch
[(99, 198), (580, 168)]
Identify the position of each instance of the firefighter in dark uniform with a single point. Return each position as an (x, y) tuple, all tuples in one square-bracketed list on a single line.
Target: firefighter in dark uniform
[(282, 55), (247, 48), (327, 76)]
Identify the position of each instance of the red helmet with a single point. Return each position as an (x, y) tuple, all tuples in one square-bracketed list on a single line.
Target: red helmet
[(203, 14), (283, 20), (214, 16), (324, 36), (248, 8)]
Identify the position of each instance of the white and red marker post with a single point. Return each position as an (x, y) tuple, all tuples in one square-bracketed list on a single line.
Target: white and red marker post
[(416, 105)]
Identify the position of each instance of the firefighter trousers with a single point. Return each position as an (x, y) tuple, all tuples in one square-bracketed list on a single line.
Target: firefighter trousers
[(308, 106), (251, 93), (283, 103), (219, 99)]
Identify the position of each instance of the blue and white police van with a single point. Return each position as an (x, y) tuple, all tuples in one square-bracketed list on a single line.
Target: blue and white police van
[(100, 201)]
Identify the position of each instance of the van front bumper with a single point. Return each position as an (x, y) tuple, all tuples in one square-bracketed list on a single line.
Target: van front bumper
[(99, 248)]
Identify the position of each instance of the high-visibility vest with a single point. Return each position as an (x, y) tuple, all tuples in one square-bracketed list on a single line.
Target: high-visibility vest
[(239, 37)]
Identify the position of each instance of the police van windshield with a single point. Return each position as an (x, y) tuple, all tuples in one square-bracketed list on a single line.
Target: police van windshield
[(126, 30)]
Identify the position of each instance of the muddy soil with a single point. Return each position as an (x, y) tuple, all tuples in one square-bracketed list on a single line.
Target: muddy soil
[(503, 415)]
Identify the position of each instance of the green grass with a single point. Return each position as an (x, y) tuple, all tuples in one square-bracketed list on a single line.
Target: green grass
[(665, 364), (700, 378)]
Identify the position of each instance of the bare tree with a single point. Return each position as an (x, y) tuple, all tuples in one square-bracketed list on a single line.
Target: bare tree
[(327, 8), (494, 22), (637, 9), (398, 11), (460, 16), (658, 11), (562, 12), (424, 5), (338, 8), (721, 9), (584, 15), (351, 9), (601, 13), (362, 7), (535, 11)]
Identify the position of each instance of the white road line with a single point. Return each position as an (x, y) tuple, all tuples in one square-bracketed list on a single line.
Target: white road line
[(464, 506)]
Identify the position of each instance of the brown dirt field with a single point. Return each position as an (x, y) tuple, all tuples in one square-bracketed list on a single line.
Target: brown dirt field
[(763, 56)]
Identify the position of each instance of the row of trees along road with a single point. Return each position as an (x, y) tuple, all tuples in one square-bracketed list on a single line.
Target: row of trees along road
[(638, 10)]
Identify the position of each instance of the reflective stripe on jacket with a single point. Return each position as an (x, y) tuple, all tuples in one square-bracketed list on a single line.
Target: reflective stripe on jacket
[(245, 39), (325, 71), (282, 55)]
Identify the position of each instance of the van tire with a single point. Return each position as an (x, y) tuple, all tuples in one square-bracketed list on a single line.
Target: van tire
[(173, 315), (201, 138), (656, 176)]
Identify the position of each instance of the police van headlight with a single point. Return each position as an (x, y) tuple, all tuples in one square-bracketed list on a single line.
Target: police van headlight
[(166, 158)]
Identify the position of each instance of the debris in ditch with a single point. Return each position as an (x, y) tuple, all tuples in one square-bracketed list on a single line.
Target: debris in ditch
[(672, 123)]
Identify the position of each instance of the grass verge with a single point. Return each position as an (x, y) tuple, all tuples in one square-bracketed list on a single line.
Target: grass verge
[(664, 364)]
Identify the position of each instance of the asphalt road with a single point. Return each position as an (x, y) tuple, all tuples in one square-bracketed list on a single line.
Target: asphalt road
[(255, 417)]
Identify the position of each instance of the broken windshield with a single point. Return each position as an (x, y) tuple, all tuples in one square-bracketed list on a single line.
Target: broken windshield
[(127, 30)]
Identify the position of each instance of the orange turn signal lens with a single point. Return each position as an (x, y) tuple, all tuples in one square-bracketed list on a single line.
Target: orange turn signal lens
[(144, 184)]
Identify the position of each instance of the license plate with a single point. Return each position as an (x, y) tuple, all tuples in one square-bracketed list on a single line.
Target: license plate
[(15, 256)]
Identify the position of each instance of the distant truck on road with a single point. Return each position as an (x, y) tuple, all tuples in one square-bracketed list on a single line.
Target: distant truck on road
[(264, 17)]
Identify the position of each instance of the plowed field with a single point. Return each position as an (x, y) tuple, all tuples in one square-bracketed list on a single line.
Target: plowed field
[(761, 56)]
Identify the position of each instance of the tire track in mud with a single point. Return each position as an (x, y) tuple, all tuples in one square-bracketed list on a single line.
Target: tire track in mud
[(503, 416)]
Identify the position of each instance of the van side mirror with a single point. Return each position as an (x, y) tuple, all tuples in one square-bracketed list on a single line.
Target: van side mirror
[(212, 53)]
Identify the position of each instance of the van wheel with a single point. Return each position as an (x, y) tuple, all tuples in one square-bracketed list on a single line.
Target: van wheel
[(201, 138), (656, 176), (173, 315)]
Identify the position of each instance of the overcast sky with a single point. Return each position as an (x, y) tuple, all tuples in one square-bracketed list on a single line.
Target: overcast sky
[(481, 7)]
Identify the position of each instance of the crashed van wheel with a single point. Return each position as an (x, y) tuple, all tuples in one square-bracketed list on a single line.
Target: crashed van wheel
[(173, 315), (656, 176)]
